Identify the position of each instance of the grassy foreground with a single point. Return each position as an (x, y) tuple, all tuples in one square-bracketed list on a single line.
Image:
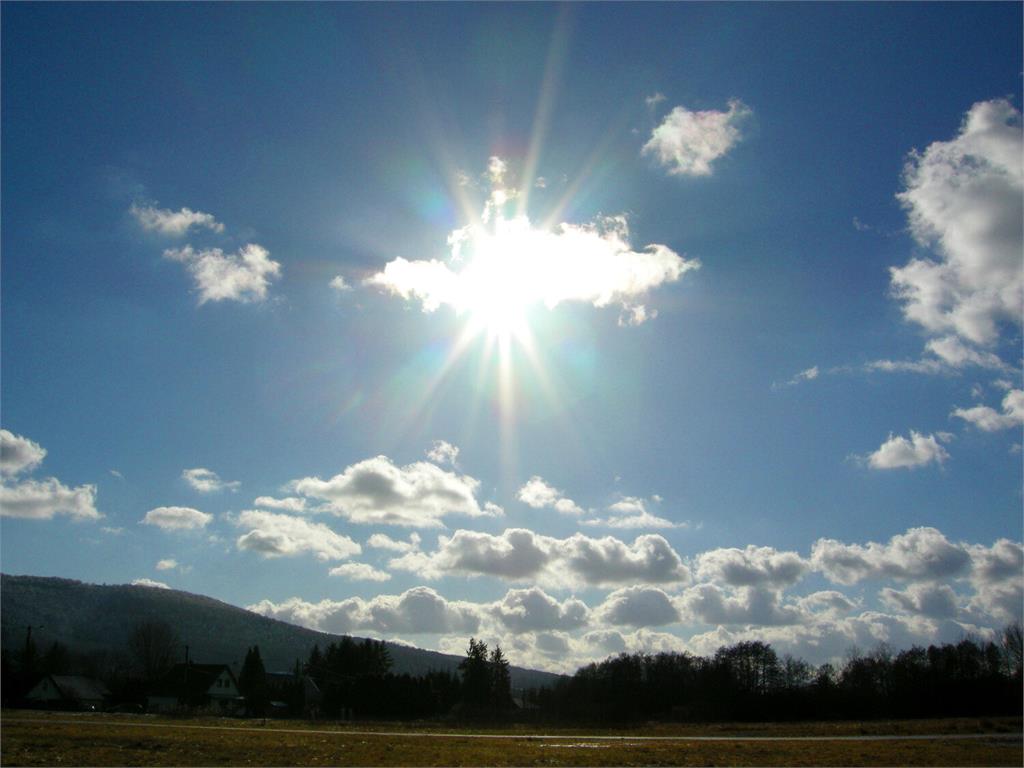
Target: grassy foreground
[(96, 739)]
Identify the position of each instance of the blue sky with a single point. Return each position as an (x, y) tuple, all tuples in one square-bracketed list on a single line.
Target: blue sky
[(580, 328)]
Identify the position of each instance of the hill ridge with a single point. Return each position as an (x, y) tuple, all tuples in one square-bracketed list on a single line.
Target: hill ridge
[(99, 617)]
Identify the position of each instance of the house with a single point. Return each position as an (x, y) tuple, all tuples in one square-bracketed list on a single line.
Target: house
[(209, 687), (68, 692)]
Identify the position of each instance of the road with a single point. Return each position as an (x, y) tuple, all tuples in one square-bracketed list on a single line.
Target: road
[(519, 736)]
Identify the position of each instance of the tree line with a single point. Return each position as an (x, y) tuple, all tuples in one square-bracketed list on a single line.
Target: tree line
[(748, 681), (744, 681)]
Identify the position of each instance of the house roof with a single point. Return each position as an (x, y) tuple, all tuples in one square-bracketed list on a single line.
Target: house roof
[(188, 680), (78, 688)]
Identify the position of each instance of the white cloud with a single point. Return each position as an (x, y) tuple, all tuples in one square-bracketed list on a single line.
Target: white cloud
[(169, 564), (338, 283), (288, 504), (274, 535), (149, 583), (419, 610), (244, 276), (502, 266), (899, 452), (963, 197), (637, 606), (997, 575), (538, 494), (631, 512), (359, 572), (113, 531), (827, 602), (936, 601), (954, 353), (519, 554), (443, 452), (207, 481), (687, 143), (990, 420), (751, 567), (654, 99), (176, 223), (177, 518), (743, 606), (43, 499), (377, 491), (18, 454), (920, 554), (531, 610), (383, 541)]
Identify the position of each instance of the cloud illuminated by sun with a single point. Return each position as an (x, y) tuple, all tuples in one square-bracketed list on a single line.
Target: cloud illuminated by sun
[(501, 266)]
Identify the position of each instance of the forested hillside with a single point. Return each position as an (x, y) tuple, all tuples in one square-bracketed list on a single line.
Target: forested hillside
[(90, 617)]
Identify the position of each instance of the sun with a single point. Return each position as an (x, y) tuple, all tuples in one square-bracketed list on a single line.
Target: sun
[(497, 291)]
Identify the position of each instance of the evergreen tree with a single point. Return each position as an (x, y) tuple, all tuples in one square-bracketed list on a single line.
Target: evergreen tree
[(476, 678), (252, 681), (501, 681)]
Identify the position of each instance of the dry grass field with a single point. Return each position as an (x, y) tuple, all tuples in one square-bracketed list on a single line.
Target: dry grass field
[(37, 738)]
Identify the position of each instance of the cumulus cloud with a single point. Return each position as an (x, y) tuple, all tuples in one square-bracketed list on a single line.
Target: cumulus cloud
[(18, 454), (638, 606), (288, 504), (338, 283), (538, 494), (920, 554), (687, 143), (827, 602), (443, 452), (751, 567), (746, 606), (506, 262), (991, 420), (383, 541), (532, 610), (207, 481), (44, 499), (149, 583), (177, 518), (359, 572), (631, 512), (519, 554), (936, 601), (275, 535), (997, 574), (962, 198), (378, 491), (899, 452), (168, 564), (244, 276), (175, 223), (419, 610)]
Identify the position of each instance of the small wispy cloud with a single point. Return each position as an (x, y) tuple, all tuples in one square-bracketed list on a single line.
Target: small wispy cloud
[(173, 223), (207, 481)]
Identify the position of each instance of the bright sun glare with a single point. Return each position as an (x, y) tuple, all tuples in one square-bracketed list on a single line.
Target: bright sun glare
[(498, 293)]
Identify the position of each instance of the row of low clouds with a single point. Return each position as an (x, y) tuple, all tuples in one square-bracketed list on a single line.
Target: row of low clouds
[(740, 594), (928, 580)]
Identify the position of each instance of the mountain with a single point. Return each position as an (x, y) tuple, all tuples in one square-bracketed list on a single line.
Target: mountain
[(93, 617)]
